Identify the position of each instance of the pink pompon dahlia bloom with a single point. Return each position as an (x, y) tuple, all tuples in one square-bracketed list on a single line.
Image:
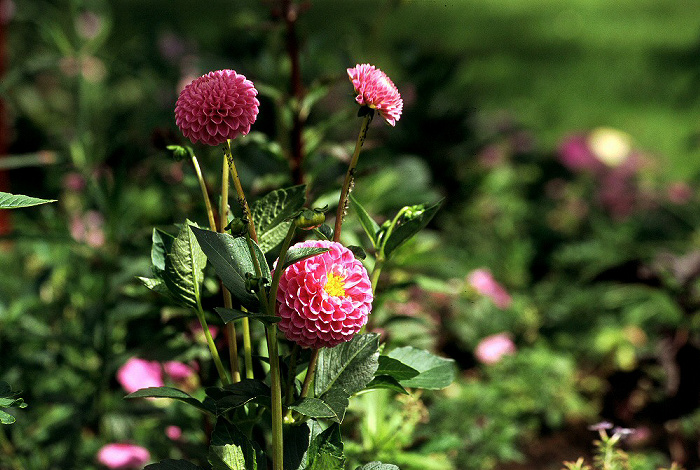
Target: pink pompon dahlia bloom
[(375, 90), (324, 300), (217, 106), (123, 456), (137, 373)]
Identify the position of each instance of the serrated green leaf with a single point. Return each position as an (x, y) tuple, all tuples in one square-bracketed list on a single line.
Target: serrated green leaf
[(231, 450), (408, 227), (156, 285), (6, 418), (337, 399), (313, 408), (231, 314), (387, 382), (326, 450), (378, 466), (435, 372), (350, 365), (184, 268), (395, 368), (368, 224), (298, 254), (271, 213), (238, 394), (170, 464), (172, 393), (162, 244), (16, 201), (232, 261)]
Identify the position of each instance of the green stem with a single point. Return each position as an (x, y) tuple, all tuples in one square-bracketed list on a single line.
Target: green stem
[(282, 258), (349, 178), (378, 265), (276, 398), (212, 346), (205, 194), (289, 395), (310, 373), (228, 303)]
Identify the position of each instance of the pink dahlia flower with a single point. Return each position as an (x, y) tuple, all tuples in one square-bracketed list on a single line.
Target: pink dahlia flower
[(178, 371), (376, 90), (483, 282), (174, 433), (137, 373), (123, 456), (324, 300), (491, 349), (217, 106)]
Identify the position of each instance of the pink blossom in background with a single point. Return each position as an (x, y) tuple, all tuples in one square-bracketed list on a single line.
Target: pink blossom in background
[(483, 282), (137, 373), (198, 333), (575, 154), (375, 90), (174, 433), (74, 182), (491, 349), (123, 456), (679, 192), (88, 228), (324, 300), (217, 106), (178, 371), (88, 25)]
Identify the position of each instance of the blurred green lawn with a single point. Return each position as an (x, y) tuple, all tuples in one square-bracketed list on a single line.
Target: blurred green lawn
[(558, 65)]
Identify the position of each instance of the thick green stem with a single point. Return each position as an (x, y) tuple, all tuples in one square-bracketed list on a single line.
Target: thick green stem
[(310, 373), (228, 303), (205, 194), (212, 347), (280, 262), (276, 398), (349, 178)]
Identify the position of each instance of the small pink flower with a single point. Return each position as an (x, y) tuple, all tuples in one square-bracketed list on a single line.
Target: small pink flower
[(74, 182), (123, 456), (88, 228), (217, 106), (575, 153), (491, 349), (376, 90), (174, 433), (178, 371), (679, 192), (324, 300), (483, 282), (137, 373)]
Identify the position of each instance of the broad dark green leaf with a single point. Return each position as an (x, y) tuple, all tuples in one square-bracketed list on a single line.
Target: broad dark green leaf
[(368, 224), (232, 261), (326, 450), (16, 201), (378, 466), (298, 254), (313, 408), (230, 449), (271, 213), (170, 392), (411, 224), (349, 365), (387, 382), (337, 399), (296, 444), (395, 368), (156, 285), (435, 372), (238, 394), (162, 245), (170, 464), (231, 314), (184, 267)]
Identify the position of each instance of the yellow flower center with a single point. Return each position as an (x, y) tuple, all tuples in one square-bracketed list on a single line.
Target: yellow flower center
[(334, 285)]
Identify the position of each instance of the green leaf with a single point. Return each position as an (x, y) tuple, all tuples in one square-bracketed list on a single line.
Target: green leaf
[(371, 227), (16, 201), (231, 314), (350, 365), (412, 222), (170, 464), (313, 408), (6, 418), (156, 285), (230, 449), (387, 382), (271, 213), (162, 244), (395, 368), (326, 450), (184, 267), (378, 466), (232, 261), (298, 254), (435, 372), (337, 399), (9, 399), (173, 393), (238, 394), (296, 444)]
